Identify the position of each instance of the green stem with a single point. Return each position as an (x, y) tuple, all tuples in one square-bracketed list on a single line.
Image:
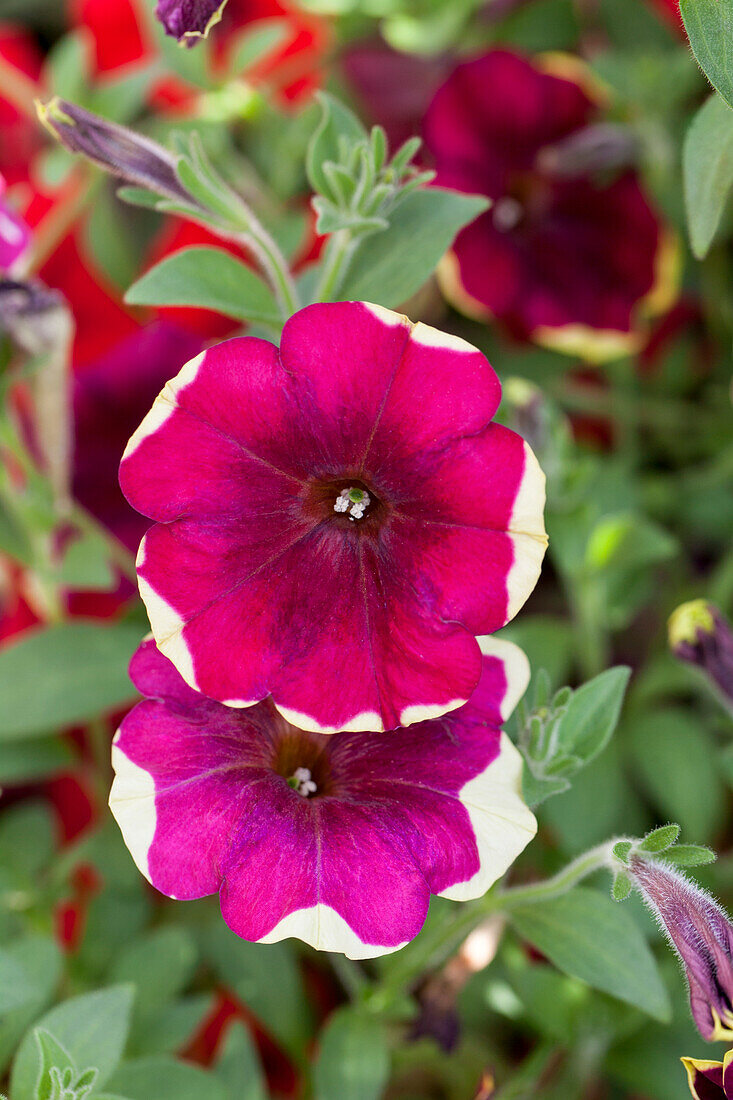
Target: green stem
[(438, 943), (338, 255), (350, 975), (273, 264)]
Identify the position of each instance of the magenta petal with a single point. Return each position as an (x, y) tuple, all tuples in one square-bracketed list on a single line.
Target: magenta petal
[(255, 580), (202, 799)]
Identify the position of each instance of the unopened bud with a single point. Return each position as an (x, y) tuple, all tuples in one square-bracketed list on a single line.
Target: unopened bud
[(700, 635), (701, 934), (189, 20), (600, 147), (35, 317), (136, 160)]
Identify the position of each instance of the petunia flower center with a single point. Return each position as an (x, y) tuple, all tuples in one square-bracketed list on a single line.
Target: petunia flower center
[(354, 501), (301, 782), (303, 761), (347, 502)]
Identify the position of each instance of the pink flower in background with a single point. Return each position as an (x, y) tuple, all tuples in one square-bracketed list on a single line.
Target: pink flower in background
[(566, 255), (336, 520), (15, 236), (339, 840)]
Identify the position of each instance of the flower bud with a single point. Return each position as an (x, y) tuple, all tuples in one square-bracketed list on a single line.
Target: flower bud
[(708, 1080), (600, 147), (700, 635), (35, 317), (701, 934), (136, 160), (188, 20)]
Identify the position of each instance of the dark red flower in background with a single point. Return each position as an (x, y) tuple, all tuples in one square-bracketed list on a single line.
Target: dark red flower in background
[(564, 256)]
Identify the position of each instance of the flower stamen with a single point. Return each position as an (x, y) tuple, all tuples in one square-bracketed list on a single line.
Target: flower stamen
[(354, 501), (301, 782)]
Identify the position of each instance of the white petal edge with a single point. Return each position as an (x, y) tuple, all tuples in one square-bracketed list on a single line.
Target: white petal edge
[(516, 669), (323, 928), (527, 532), (368, 721), (434, 338), (387, 316), (420, 712), (132, 802), (166, 625), (503, 824), (164, 404)]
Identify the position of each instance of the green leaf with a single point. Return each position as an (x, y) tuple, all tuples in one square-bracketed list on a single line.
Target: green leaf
[(208, 278), (53, 1055), (622, 886), (660, 839), (165, 1079), (622, 849), (266, 978), (593, 712), (64, 674), (709, 26), (160, 964), (85, 566), (92, 1028), (17, 986), (707, 162), (21, 763), (66, 71), (674, 757), (390, 266), (264, 36), (168, 1029), (690, 855), (589, 937), (41, 961), (353, 1059), (338, 125), (239, 1066), (591, 715)]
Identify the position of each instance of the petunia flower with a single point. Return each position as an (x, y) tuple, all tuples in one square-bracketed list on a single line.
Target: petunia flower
[(189, 20), (338, 841), (15, 236), (566, 256), (710, 1080), (336, 520), (701, 934)]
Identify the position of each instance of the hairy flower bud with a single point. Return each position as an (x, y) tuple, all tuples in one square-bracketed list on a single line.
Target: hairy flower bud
[(189, 20), (136, 160), (701, 934), (700, 635), (600, 147)]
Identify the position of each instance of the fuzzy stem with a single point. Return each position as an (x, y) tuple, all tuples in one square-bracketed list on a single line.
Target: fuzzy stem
[(436, 944), (338, 256)]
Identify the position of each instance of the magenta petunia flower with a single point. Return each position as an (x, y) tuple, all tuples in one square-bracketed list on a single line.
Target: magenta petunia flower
[(567, 255), (15, 236), (338, 841), (336, 520)]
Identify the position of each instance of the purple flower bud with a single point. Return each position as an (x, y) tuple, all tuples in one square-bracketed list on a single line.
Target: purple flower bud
[(700, 635), (136, 160), (710, 1080), (188, 20), (600, 147), (35, 317), (701, 934)]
